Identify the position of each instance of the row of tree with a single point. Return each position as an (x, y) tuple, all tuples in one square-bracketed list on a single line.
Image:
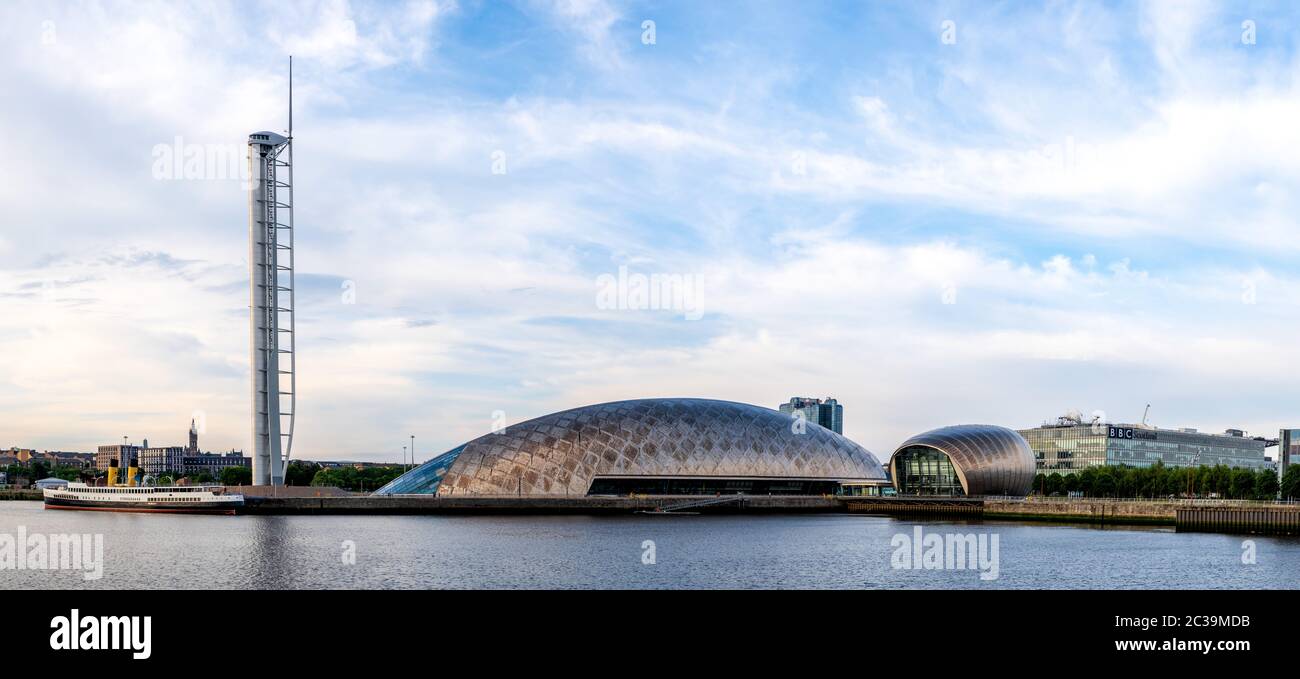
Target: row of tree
[(351, 478), (298, 473), (40, 470), (1158, 481)]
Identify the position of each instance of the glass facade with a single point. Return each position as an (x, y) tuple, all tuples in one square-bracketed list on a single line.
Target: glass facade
[(648, 485), (424, 479), (1070, 448), (867, 490), (1066, 449), (922, 470), (562, 454)]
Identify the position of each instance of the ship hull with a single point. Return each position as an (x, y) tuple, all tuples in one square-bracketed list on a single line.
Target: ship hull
[(227, 508)]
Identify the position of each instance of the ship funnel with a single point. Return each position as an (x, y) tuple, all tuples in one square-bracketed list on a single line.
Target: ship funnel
[(112, 472)]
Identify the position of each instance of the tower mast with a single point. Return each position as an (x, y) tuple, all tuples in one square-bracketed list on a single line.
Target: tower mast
[(271, 299)]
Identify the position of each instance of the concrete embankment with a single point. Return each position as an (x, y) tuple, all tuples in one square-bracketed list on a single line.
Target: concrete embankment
[(1275, 519), (11, 494), (1209, 515), (369, 504), (1083, 511)]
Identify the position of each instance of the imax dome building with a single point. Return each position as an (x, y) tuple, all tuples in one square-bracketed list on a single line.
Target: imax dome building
[(668, 446), (967, 459)]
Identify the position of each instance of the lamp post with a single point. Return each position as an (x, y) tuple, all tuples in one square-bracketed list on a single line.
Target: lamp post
[(412, 451)]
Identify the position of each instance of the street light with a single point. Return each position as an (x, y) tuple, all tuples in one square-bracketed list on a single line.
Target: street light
[(412, 451)]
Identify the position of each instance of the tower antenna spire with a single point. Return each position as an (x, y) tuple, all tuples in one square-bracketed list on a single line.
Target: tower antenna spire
[(273, 347)]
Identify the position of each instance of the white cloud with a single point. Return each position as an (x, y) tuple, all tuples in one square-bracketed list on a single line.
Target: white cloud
[(591, 21), (475, 291)]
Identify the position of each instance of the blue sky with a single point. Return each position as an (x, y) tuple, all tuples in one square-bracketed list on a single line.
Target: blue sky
[(935, 212)]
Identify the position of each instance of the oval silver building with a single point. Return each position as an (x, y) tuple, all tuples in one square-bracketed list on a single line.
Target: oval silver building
[(666, 446), (966, 459)]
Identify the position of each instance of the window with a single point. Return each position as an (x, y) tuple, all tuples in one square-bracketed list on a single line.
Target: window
[(923, 470)]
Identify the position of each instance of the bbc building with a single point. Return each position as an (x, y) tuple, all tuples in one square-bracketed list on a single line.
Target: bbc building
[(1070, 447)]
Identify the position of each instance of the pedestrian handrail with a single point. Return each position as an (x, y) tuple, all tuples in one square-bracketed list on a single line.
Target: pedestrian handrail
[(702, 503), (1198, 501)]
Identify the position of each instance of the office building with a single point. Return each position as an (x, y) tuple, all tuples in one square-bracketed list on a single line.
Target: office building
[(827, 413), (1069, 446)]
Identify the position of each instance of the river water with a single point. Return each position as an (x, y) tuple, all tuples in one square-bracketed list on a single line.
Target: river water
[(787, 551)]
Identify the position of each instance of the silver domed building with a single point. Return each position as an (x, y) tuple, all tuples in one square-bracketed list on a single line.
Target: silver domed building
[(665, 446), (966, 459)]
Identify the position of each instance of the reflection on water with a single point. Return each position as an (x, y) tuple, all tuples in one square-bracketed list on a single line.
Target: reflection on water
[(795, 551)]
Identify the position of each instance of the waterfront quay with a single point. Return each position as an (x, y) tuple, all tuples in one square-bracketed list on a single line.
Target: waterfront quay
[(511, 504), (20, 494), (1204, 515), (1231, 516), (325, 500)]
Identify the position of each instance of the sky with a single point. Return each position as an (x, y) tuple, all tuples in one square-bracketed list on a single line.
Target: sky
[(936, 213)]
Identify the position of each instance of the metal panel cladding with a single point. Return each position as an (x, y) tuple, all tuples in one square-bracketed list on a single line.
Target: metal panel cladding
[(989, 460), (560, 454)]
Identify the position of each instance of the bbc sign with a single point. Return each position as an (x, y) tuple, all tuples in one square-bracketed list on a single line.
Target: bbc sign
[(1129, 433)]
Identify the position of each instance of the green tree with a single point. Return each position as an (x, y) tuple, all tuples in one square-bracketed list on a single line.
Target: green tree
[(1104, 485), (1266, 485), (236, 476), (1221, 480), (1241, 484), (1290, 486), (300, 473), (1087, 479), (353, 479)]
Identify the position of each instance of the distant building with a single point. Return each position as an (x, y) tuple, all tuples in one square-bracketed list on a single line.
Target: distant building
[(1070, 445), (967, 459), (69, 459), (193, 447), (24, 455), (122, 453), (213, 463), (828, 413), (335, 464), (1288, 448), (174, 460), (164, 460)]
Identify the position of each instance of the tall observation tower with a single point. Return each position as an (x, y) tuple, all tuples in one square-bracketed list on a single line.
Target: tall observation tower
[(271, 303)]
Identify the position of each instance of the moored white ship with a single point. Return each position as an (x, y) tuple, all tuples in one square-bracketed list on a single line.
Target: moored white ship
[(171, 499)]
